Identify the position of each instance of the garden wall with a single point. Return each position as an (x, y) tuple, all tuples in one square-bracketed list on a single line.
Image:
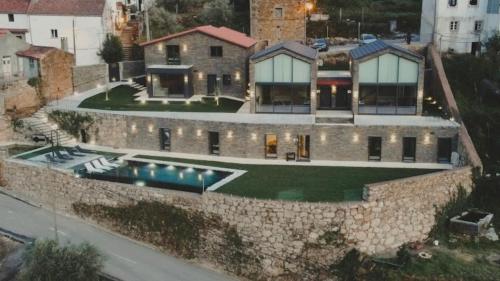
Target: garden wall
[(87, 77), (287, 237), (132, 69)]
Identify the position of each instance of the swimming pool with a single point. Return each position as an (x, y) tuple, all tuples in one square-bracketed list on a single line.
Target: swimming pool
[(175, 176)]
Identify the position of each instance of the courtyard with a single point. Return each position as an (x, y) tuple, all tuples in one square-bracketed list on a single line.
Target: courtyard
[(122, 98)]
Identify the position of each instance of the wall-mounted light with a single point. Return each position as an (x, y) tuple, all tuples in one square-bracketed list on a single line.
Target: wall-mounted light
[(427, 139), (133, 128), (149, 78), (287, 136), (198, 133), (254, 136), (179, 131), (355, 94), (130, 81), (420, 94), (188, 102), (164, 101), (334, 89), (230, 134), (184, 47), (323, 137), (160, 47), (237, 76), (186, 79), (355, 138), (151, 128), (200, 75), (393, 138)]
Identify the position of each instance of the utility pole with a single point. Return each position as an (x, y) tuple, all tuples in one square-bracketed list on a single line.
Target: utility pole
[(146, 16)]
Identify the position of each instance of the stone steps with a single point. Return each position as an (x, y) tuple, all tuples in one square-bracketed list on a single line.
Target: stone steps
[(40, 124)]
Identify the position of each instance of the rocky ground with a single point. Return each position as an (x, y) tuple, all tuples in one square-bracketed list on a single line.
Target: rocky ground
[(10, 258)]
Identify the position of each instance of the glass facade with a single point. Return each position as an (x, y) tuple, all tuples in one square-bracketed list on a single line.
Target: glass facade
[(168, 85), (283, 98)]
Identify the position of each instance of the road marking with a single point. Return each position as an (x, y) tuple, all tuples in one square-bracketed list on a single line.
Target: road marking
[(59, 232), (123, 258)]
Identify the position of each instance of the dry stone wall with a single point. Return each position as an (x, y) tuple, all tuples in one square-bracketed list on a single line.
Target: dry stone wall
[(87, 77), (287, 236)]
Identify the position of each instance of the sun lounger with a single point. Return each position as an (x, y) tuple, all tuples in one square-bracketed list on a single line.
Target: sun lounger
[(99, 166), (63, 156), (73, 153), (105, 162), (81, 150), (51, 159), (91, 169)]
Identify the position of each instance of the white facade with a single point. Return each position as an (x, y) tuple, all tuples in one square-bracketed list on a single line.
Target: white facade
[(459, 25), (79, 35)]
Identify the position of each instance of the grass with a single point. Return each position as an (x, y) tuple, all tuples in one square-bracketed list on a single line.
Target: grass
[(301, 183), (122, 98)]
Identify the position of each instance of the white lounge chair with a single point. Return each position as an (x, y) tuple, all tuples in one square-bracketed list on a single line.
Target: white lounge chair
[(99, 166), (92, 170), (105, 162)]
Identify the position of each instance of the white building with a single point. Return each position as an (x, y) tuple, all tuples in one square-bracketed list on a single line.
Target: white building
[(459, 25), (77, 26)]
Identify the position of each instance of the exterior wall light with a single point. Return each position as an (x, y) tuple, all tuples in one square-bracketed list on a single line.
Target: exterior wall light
[(254, 136), (188, 102), (160, 47), (237, 76), (420, 94), (184, 47), (393, 138), (355, 138), (323, 137), (198, 133), (186, 79), (200, 75), (287, 136), (427, 139), (130, 81), (151, 128), (149, 78), (133, 128), (334, 89), (230, 134), (179, 131), (355, 94), (164, 101)]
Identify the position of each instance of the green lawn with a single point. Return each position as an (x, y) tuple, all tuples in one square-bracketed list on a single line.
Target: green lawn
[(301, 183), (122, 98)]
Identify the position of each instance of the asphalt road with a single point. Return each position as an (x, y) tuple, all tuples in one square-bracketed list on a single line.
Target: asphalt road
[(124, 259)]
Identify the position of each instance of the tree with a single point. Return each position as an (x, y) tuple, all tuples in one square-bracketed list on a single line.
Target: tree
[(112, 49), (218, 13), (45, 260), (162, 22)]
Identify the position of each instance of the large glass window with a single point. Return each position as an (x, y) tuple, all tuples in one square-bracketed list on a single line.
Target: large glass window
[(170, 85), (286, 98), (374, 148), (173, 55), (388, 99), (271, 146)]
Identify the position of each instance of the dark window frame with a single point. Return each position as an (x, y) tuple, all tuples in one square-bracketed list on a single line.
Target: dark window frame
[(409, 149), (54, 33), (216, 51), (374, 148), (440, 157), (173, 54), (226, 79), (400, 91), (11, 17), (452, 3), (474, 2)]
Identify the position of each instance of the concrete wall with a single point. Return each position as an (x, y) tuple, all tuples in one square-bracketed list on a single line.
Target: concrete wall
[(265, 26), (197, 53), (328, 142), (281, 233), (89, 77)]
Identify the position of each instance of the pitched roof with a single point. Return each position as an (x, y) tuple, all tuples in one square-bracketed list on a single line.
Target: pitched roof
[(222, 33), (66, 7), (291, 46), (14, 6), (378, 46), (36, 52)]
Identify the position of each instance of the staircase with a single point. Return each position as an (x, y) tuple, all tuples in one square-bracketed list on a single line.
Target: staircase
[(128, 37), (138, 86), (40, 124)]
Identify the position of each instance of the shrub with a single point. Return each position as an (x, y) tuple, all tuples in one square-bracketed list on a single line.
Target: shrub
[(112, 49)]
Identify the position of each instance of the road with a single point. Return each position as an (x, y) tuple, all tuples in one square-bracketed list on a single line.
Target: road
[(124, 259)]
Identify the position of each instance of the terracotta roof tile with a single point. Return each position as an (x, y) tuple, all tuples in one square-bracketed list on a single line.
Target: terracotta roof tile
[(35, 52), (14, 6), (222, 33), (67, 7)]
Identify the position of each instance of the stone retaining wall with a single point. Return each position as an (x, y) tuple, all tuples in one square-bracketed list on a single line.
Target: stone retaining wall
[(287, 236), (88, 77), (132, 69)]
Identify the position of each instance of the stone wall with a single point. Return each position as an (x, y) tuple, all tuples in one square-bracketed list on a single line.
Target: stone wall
[(55, 72), (286, 236), (20, 98), (132, 69), (195, 50), (246, 140), (89, 77), (265, 25)]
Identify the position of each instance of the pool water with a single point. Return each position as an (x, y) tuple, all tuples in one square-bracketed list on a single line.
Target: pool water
[(160, 176)]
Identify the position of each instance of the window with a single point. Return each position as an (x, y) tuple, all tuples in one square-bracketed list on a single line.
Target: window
[(173, 55), (473, 2), (374, 148), (409, 149), (454, 25), (11, 17), (54, 33), (388, 99), (478, 25), (216, 51), (271, 146), (444, 150), (226, 79), (452, 3), (278, 12), (32, 63)]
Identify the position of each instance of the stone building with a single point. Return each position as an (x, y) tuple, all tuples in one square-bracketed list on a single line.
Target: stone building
[(205, 60), (275, 21)]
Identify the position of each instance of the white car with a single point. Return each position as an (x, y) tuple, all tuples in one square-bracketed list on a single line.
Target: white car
[(367, 39)]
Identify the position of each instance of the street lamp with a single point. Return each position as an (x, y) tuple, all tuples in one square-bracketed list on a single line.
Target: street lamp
[(308, 6)]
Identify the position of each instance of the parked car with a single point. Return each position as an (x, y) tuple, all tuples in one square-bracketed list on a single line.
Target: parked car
[(321, 45), (367, 39)]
